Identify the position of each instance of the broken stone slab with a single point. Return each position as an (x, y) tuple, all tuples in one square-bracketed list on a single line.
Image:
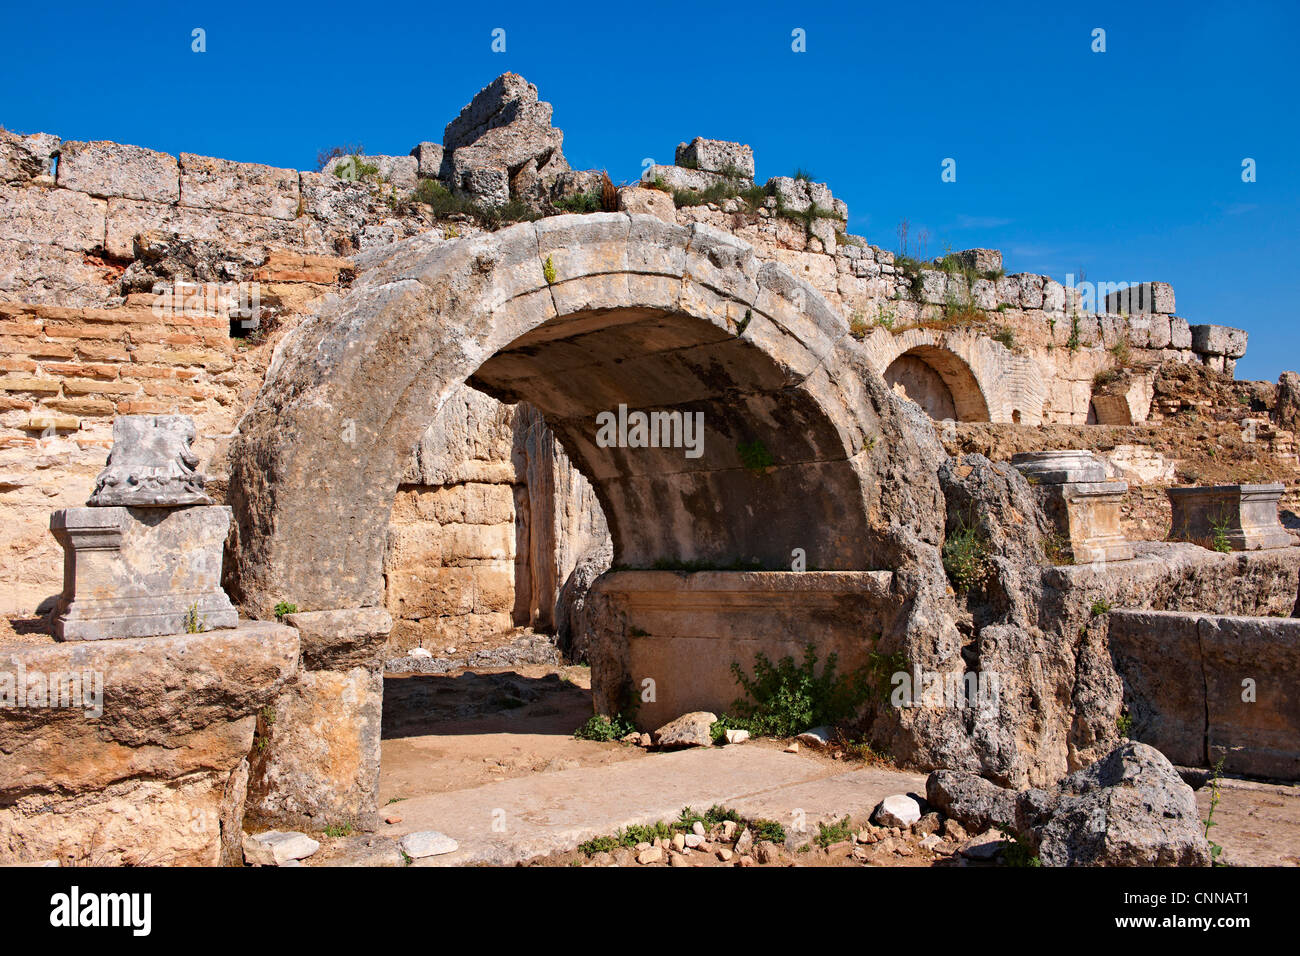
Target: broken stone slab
[(141, 572), (425, 843), (1240, 517), (972, 801), (688, 730), (151, 464), (735, 736), (398, 171), (716, 156), (251, 188), (1059, 466), (24, 158), (278, 847), (898, 810)]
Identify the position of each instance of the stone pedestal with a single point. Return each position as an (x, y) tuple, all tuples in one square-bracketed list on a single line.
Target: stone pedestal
[(1083, 505), (138, 572), (1244, 517)]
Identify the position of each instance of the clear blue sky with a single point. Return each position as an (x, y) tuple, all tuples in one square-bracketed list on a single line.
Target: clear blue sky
[(1124, 164)]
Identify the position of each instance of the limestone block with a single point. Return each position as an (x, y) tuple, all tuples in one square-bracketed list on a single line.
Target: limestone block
[(1053, 296), (50, 274), (340, 638), (398, 171), (1218, 340), (128, 218), (249, 188), (1072, 488), (138, 572), (429, 160), (1242, 517), (981, 260), (650, 202), (1155, 297), (151, 464), (1160, 335), (489, 186), (23, 158), (684, 629), (1008, 290), (683, 180), (320, 763), (60, 217), (153, 777), (1180, 333), (716, 156), (1031, 290), (108, 170)]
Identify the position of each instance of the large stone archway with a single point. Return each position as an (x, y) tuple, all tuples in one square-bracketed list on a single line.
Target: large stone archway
[(804, 447), (636, 312)]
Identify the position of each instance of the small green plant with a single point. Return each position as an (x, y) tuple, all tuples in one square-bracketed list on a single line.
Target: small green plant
[(1215, 778), (1100, 606), (1006, 336), (580, 203), (1123, 354), (767, 830), (1124, 725), (858, 327), (1017, 853), (268, 715), (1056, 548), (744, 323), (284, 608), (801, 174), (829, 833), (194, 622), (1072, 343), (966, 558), (785, 698), (600, 727), (885, 318), (754, 456), (548, 271), (1105, 377), (1219, 529), (338, 830)]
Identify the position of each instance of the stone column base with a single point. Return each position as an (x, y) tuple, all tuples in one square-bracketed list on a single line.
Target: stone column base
[(141, 572), (1238, 517)]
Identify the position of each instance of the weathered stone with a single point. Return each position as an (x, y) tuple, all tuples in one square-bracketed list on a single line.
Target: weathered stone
[(984, 261), (650, 202), (689, 730), (424, 843), (278, 847), (24, 158), (898, 810), (139, 572), (1143, 297), (1128, 809), (250, 188), (716, 156), (396, 171), (972, 801), (429, 161), (1219, 340), (140, 769), (109, 170), (1083, 506), (1240, 517), (151, 464), (59, 217), (340, 639), (320, 763)]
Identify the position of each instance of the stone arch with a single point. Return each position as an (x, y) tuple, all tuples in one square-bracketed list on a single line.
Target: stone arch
[(988, 381), (940, 382), (576, 314)]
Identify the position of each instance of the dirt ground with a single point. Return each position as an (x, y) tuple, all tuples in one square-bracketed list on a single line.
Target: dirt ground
[(467, 729), (461, 730)]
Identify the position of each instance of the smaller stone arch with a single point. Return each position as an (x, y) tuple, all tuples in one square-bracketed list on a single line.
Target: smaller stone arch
[(940, 382)]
